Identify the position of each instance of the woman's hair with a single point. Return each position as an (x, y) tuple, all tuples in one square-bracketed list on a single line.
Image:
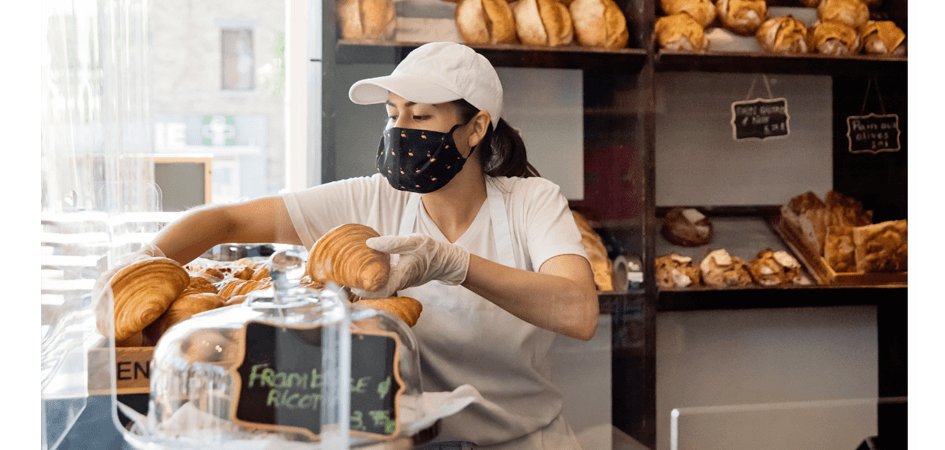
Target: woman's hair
[(505, 156)]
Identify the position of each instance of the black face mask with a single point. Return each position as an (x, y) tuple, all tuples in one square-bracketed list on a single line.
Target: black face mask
[(418, 160)]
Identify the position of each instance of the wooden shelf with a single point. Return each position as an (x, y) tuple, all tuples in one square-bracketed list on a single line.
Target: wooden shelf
[(807, 64), (571, 57)]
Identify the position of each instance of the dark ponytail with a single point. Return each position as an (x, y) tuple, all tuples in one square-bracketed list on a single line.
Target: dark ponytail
[(505, 156)]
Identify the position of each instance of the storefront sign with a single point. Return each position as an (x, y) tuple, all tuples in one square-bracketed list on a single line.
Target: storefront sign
[(873, 133), (760, 119), (280, 380)]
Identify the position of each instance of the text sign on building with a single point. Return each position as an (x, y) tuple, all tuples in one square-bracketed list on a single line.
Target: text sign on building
[(760, 119), (873, 133)]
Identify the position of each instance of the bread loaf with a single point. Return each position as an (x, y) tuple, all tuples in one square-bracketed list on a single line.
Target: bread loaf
[(807, 214), (883, 37), (775, 268), (720, 269), (742, 16), (599, 23), (785, 35), (687, 227), (141, 292), (408, 309), (343, 257), (601, 265), (833, 38), (680, 32), (882, 247), (839, 249), (703, 11), (485, 21), (367, 19), (543, 23), (852, 13), (844, 211), (676, 271)]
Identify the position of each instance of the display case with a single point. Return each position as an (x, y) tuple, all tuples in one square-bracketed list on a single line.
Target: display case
[(655, 134)]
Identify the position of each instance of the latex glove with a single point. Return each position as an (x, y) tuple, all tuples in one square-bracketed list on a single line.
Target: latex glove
[(422, 259)]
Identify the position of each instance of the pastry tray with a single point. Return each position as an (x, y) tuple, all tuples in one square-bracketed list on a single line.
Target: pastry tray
[(817, 264)]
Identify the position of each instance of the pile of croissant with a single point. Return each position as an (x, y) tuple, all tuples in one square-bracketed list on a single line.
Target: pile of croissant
[(843, 27), (153, 294)]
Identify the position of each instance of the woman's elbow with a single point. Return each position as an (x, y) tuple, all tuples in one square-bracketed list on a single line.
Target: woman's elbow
[(584, 326)]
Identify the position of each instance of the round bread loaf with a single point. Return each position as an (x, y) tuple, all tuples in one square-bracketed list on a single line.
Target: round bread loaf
[(686, 227)]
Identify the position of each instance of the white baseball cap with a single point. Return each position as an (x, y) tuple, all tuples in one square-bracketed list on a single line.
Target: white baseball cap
[(437, 72)]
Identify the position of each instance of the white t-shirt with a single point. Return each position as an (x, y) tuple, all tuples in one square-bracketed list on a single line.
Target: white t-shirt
[(464, 338)]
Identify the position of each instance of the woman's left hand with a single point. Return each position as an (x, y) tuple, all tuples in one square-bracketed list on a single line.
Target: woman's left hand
[(422, 259)]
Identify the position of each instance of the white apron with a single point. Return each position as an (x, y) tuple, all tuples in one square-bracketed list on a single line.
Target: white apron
[(466, 339)]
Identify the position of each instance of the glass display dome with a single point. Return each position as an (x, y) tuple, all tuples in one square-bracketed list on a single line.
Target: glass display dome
[(271, 368)]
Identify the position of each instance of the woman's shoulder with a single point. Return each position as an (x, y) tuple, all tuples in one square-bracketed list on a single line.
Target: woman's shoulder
[(527, 187)]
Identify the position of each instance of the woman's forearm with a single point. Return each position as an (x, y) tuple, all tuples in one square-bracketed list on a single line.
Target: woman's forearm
[(547, 301), (194, 233)]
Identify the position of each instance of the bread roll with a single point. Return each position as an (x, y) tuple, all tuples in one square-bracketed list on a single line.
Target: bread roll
[(341, 256), (408, 309), (599, 23), (720, 269), (236, 286), (680, 32), (853, 13), (784, 34), (774, 268), (687, 227), (703, 11), (485, 21), (882, 247), (833, 38), (676, 271), (883, 37), (543, 22), (742, 16), (602, 266), (141, 292), (367, 19)]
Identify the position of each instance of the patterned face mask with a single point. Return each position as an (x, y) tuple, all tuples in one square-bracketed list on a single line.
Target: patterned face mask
[(418, 160)]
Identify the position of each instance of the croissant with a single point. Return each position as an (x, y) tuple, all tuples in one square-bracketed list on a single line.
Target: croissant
[(701, 10), (543, 22), (236, 286), (406, 308), (485, 21), (141, 292), (260, 273), (783, 35), (243, 273), (342, 256), (183, 308), (199, 285), (742, 16), (599, 23)]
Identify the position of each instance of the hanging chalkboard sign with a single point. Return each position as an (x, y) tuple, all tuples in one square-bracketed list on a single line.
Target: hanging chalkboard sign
[(280, 380), (873, 133), (760, 119)]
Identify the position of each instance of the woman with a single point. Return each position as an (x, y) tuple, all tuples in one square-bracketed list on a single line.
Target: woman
[(455, 201)]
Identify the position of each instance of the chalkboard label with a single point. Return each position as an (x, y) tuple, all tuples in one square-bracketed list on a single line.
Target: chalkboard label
[(760, 119), (873, 133), (280, 379)]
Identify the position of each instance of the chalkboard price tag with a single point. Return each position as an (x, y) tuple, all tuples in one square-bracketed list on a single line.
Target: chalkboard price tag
[(873, 133), (280, 380), (760, 119)]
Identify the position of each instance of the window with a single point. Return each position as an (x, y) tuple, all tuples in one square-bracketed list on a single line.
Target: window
[(238, 60)]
